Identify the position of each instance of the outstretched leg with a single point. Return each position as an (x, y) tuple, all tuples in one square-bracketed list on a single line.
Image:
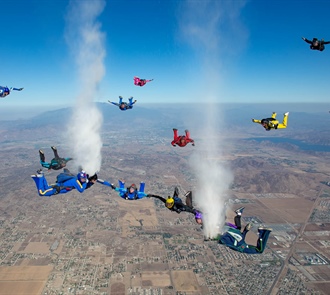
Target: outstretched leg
[(263, 238), (142, 185), (189, 199), (130, 100), (55, 152), (176, 192), (120, 99), (187, 134), (175, 133), (274, 115), (284, 122), (42, 156), (43, 188), (43, 160)]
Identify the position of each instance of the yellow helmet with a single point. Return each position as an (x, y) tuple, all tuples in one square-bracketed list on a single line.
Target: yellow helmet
[(169, 202)]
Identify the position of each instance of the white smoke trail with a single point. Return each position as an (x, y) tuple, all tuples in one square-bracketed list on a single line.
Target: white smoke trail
[(86, 42), (211, 27)]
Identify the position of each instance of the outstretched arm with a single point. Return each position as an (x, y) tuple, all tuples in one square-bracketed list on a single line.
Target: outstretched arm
[(18, 89), (306, 40), (326, 42), (106, 183), (256, 121), (157, 197), (116, 104)]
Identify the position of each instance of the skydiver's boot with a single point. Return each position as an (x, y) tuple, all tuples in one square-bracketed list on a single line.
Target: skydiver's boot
[(239, 211), (42, 156)]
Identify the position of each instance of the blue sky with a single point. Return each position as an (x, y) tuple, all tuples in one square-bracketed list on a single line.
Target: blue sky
[(239, 51)]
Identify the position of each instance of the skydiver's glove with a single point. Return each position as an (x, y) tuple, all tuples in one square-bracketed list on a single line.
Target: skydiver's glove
[(87, 181), (303, 38), (178, 211), (112, 186)]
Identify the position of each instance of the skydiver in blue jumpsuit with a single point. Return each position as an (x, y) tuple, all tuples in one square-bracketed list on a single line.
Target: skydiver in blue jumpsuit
[(4, 91), (65, 182), (124, 105), (56, 163), (129, 193)]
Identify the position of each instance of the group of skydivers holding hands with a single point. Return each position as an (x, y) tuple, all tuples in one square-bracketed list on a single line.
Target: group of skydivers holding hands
[(66, 182), (232, 235)]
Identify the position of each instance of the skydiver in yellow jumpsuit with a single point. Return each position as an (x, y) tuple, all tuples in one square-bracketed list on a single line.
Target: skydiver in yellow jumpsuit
[(272, 123)]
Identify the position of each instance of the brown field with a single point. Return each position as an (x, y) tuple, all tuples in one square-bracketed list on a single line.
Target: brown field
[(318, 227), (158, 279), (291, 210), (37, 248), (324, 287), (185, 281), (21, 280), (135, 213)]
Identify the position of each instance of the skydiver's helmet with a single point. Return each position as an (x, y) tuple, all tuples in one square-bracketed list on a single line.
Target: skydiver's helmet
[(315, 42), (62, 162), (82, 176), (6, 91), (169, 202), (265, 124), (122, 106), (198, 217)]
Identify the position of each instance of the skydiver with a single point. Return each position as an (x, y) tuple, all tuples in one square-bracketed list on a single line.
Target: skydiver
[(129, 193), (124, 105), (65, 182), (316, 44), (56, 163), (4, 91), (141, 82), (175, 203), (182, 140), (235, 239), (272, 123)]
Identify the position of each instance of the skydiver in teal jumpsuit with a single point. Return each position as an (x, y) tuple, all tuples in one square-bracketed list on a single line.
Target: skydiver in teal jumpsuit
[(56, 163), (235, 239)]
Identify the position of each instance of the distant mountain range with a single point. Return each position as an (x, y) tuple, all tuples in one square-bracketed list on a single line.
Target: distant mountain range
[(312, 127)]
